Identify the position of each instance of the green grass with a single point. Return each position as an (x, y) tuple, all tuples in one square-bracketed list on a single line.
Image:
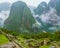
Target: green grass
[(3, 40), (22, 40), (44, 46)]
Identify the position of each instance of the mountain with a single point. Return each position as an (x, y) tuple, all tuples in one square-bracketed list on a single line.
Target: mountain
[(55, 4), (49, 21), (49, 16), (1, 22), (52, 3), (4, 6), (20, 18), (42, 8)]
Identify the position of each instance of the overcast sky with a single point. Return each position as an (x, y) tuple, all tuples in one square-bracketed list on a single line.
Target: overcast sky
[(28, 2)]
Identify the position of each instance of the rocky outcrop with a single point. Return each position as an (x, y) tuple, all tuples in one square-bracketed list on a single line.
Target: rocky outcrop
[(20, 18)]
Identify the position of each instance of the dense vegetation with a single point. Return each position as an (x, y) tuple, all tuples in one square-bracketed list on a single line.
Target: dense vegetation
[(51, 39)]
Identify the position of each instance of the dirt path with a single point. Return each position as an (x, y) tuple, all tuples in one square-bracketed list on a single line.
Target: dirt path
[(14, 43), (9, 45)]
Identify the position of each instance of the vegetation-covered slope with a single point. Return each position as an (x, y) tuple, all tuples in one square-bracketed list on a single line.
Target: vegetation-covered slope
[(20, 18), (42, 8), (3, 40), (40, 40)]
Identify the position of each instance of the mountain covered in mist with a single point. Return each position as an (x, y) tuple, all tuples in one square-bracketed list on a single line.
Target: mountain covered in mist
[(4, 12), (20, 18), (55, 4), (48, 15), (42, 8)]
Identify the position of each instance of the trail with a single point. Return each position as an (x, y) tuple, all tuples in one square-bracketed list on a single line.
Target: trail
[(9, 45), (12, 40)]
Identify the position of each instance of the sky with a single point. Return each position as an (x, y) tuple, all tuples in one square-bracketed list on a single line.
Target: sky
[(28, 2)]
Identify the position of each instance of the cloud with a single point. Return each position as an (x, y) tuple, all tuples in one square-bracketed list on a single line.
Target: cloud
[(4, 14), (28, 2)]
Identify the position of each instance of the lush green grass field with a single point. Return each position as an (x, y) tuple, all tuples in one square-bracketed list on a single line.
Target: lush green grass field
[(44, 46), (3, 39)]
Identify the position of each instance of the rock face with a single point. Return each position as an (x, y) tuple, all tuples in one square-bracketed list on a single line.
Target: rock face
[(42, 8), (20, 18)]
